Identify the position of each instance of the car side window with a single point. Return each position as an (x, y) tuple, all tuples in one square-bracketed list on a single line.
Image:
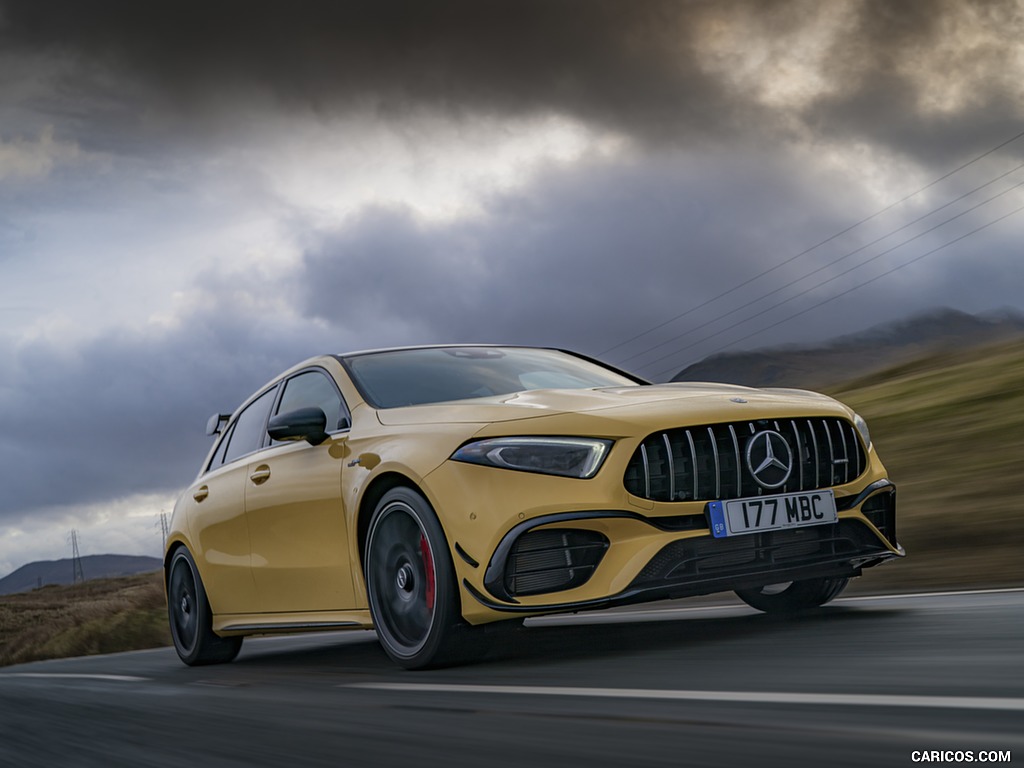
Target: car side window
[(250, 427), (315, 389), (218, 458)]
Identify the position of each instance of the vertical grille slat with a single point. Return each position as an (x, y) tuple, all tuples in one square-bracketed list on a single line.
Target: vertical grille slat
[(647, 470), (831, 455), (846, 453), (710, 462), (694, 465), (817, 454), (855, 458), (739, 475), (671, 468), (799, 454), (718, 468)]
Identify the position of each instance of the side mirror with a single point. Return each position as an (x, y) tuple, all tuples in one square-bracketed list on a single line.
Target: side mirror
[(216, 423), (309, 424)]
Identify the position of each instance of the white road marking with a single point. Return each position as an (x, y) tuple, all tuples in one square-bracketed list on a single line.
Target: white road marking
[(745, 697), (79, 676), (951, 593)]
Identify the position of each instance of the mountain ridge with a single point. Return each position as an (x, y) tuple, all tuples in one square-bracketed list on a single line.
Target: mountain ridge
[(42, 573), (854, 355)]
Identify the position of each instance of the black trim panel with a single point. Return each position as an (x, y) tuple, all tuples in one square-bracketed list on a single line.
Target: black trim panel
[(849, 567), (299, 626), (465, 555), (849, 502)]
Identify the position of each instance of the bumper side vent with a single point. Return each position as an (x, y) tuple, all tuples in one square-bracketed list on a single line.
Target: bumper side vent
[(553, 560), (880, 509)]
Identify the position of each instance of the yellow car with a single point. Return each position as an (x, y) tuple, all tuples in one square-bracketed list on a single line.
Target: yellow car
[(426, 492)]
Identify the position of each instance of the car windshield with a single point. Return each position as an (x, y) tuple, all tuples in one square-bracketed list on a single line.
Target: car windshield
[(417, 376)]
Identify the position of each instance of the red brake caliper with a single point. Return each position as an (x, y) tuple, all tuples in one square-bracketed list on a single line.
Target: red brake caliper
[(428, 567)]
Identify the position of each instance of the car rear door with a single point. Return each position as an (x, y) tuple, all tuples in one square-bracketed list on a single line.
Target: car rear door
[(216, 512)]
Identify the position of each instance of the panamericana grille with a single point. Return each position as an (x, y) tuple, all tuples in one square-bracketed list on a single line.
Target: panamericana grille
[(709, 463)]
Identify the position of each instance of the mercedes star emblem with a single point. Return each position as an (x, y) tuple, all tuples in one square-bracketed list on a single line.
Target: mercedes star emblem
[(769, 459)]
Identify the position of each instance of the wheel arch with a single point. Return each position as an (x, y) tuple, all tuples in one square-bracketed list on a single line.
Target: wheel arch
[(173, 546)]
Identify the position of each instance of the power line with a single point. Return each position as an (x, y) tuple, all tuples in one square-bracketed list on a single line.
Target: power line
[(827, 240), (857, 287), (822, 268)]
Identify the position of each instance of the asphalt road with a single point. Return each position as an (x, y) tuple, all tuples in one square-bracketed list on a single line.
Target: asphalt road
[(861, 682)]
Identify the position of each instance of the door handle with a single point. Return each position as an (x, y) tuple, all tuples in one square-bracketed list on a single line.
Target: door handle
[(260, 475), (201, 493)]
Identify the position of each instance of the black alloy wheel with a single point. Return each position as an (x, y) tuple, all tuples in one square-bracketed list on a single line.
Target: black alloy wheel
[(411, 585), (189, 615)]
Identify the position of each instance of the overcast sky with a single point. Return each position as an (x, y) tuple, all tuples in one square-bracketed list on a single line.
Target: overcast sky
[(194, 196)]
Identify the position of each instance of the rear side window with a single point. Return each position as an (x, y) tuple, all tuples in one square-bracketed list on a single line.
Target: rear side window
[(250, 427)]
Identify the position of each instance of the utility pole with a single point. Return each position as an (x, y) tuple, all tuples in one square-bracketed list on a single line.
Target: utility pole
[(76, 559)]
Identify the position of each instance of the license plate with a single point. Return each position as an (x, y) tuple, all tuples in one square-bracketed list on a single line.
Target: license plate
[(770, 513)]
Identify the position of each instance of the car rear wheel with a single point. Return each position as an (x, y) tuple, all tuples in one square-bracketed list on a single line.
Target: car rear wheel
[(411, 584), (190, 618), (792, 596)]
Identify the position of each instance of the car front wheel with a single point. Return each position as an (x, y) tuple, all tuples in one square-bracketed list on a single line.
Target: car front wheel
[(190, 618), (792, 596), (411, 584)]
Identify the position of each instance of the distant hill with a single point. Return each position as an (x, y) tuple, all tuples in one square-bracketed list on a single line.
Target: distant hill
[(948, 428), (46, 572), (850, 357)]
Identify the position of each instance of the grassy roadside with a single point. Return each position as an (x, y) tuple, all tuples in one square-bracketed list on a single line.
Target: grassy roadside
[(948, 427), (100, 616)]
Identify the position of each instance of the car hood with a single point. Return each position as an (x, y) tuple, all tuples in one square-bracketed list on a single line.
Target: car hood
[(682, 399)]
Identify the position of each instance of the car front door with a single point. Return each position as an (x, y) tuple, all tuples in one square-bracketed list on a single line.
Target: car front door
[(295, 511)]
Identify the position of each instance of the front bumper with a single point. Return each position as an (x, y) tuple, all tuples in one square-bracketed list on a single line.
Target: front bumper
[(674, 557)]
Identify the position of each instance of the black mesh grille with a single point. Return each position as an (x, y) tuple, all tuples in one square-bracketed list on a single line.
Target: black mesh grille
[(703, 557), (553, 560), (710, 462)]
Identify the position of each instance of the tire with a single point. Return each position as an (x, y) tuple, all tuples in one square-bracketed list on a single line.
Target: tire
[(793, 596), (191, 621), (410, 582)]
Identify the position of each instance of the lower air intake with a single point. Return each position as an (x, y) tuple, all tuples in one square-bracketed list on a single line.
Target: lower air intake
[(553, 560), (691, 560)]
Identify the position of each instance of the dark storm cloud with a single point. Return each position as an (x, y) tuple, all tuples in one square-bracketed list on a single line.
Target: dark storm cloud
[(964, 47), (637, 67), (587, 257), (596, 59), (125, 412)]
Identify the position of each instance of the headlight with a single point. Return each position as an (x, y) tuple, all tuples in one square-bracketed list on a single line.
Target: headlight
[(567, 456), (862, 427)]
